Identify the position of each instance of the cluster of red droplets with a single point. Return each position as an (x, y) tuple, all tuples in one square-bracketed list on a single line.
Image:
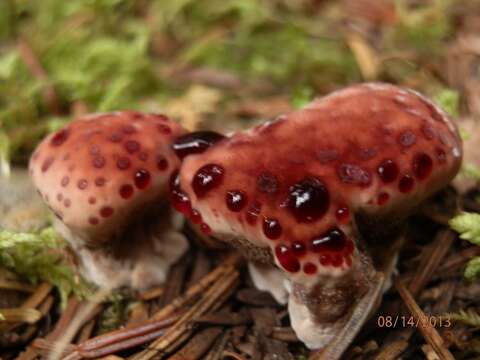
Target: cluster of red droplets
[(331, 248)]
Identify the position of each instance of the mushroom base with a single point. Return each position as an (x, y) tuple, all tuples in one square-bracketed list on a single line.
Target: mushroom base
[(139, 258)]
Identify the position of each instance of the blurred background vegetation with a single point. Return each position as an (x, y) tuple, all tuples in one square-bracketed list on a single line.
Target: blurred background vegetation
[(216, 62)]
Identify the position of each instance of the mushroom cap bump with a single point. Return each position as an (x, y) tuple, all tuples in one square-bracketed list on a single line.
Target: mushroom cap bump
[(100, 172), (295, 186)]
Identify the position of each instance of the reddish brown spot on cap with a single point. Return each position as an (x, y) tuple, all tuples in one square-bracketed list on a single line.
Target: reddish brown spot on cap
[(407, 138), (354, 174), (82, 184), (298, 248), (60, 137), (162, 163), (382, 198), (267, 183), (47, 163), (98, 162), (132, 146), (406, 183), (309, 268), (65, 181), (93, 220), (126, 191), (123, 163), (164, 129), (343, 214), (106, 211), (100, 181)]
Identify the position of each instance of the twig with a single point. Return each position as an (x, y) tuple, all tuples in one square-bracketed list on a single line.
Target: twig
[(33, 63), (198, 345), (428, 331)]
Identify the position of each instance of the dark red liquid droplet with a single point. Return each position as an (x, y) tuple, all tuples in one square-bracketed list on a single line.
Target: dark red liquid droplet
[(93, 220), (128, 129), (164, 129), (195, 217), (47, 163), (92, 200), (298, 248), (333, 240), (308, 199), (65, 181), (126, 191), (343, 214), (422, 166), (309, 268), (162, 163), (116, 137), (204, 228), (236, 200), (60, 137), (286, 258), (388, 171), (253, 212), (59, 197), (195, 143), (142, 179), (272, 228), (106, 211), (406, 183), (382, 198), (337, 260), (207, 178), (178, 198), (325, 259)]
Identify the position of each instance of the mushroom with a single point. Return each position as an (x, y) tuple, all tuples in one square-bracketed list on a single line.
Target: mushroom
[(321, 193), (105, 177)]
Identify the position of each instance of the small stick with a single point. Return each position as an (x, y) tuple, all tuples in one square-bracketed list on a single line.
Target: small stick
[(198, 345), (33, 63), (430, 334)]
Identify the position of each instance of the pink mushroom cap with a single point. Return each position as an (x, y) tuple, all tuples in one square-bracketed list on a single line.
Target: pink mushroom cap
[(295, 185), (101, 170)]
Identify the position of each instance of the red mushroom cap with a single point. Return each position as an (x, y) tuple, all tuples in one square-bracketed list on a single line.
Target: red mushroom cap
[(295, 184), (100, 169)]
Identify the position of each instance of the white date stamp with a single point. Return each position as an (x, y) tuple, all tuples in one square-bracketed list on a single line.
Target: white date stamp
[(410, 321)]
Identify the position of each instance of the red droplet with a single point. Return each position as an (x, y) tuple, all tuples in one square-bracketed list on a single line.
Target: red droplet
[(65, 181), (178, 198), (162, 163), (93, 220), (337, 260), (204, 228), (388, 171), (60, 137), (123, 163), (349, 247), (106, 211), (92, 200), (82, 184), (236, 200), (207, 178), (142, 178), (406, 183), (286, 258), (164, 129), (195, 217), (422, 166), (298, 248), (325, 259), (132, 146), (100, 181), (253, 212), (309, 268), (428, 131), (441, 155), (126, 191), (272, 228), (332, 240), (94, 150), (308, 199), (195, 142), (98, 162), (343, 214), (382, 198), (47, 163)]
